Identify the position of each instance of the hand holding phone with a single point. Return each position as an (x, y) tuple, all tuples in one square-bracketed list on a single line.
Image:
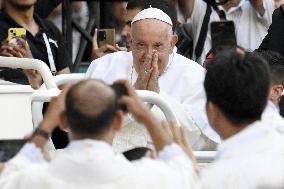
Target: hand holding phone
[(120, 90), (106, 36), (15, 33)]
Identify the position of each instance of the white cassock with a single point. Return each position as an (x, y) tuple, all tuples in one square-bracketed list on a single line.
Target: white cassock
[(253, 158), (89, 164), (181, 85)]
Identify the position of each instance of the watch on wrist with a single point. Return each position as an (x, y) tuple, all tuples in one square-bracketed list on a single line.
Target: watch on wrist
[(40, 132)]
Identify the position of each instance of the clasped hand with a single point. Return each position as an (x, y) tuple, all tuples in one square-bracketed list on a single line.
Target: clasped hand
[(148, 74)]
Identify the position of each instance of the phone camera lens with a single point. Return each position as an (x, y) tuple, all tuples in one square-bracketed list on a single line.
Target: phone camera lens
[(14, 34)]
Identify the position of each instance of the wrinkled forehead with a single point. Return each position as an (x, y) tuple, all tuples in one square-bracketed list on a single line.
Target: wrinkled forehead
[(150, 25)]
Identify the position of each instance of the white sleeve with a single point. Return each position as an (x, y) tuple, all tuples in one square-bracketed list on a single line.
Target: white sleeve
[(28, 155)]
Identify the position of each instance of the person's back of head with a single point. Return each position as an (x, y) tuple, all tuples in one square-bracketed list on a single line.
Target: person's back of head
[(238, 85), (91, 108), (166, 6)]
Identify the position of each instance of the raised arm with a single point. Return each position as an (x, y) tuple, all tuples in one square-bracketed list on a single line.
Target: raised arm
[(186, 7), (258, 5)]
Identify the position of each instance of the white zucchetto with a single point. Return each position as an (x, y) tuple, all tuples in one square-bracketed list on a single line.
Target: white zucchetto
[(152, 13)]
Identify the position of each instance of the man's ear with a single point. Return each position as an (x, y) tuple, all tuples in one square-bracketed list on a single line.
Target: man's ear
[(117, 122), (174, 40), (63, 121), (275, 93)]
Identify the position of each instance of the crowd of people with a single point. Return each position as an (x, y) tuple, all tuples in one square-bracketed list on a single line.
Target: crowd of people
[(231, 105)]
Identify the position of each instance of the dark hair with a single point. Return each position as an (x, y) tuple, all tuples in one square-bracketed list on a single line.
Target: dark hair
[(97, 120), (136, 153), (238, 85), (166, 6), (276, 65)]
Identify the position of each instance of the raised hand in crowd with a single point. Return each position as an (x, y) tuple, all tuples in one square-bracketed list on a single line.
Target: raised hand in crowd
[(21, 49), (148, 74), (179, 135), (98, 52), (52, 116)]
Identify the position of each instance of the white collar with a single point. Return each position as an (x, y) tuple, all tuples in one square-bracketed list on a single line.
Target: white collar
[(96, 145), (270, 108), (236, 142)]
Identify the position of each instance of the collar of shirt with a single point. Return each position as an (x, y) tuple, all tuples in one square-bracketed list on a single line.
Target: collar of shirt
[(270, 108), (231, 146), (95, 145)]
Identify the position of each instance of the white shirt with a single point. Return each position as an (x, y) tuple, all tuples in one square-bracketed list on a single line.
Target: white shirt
[(93, 164), (253, 158), (251, 28), (181, 85)]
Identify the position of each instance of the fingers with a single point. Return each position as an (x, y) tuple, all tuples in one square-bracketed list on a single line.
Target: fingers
[(13, 50), (184, 137), (166, 127), (130, 89), (95, 42), (110, 48), (120, 48), (62, 95), (148, 62), (176, 132)]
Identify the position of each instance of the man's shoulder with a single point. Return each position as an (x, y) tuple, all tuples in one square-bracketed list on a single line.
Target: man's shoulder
[(117, 62), (115, 56), (184, 64)]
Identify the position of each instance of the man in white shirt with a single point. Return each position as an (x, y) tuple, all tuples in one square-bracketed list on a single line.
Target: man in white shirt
[(154, 65), (92, 115), (251, 154), (251, 17)]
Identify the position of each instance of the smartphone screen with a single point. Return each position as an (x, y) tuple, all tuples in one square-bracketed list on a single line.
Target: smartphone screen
[(223, 36), (106, 36)]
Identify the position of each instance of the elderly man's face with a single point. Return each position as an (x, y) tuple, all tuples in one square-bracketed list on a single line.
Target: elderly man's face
[(151, 35)]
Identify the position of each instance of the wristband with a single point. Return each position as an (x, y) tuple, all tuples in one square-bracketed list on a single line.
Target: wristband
[(40, 132)]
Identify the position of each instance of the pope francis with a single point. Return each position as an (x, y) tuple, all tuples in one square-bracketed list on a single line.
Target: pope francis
[(154, 65)]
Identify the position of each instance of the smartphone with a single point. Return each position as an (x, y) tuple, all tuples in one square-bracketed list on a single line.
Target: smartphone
[(16, 32), (9, 148), (223, 36), (106, 36), (120, 91)]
